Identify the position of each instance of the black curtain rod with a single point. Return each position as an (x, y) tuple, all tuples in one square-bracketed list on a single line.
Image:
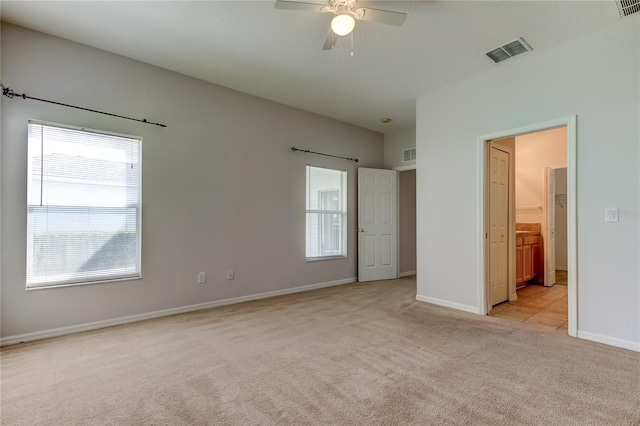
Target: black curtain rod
[(11, 94), (294, 149)]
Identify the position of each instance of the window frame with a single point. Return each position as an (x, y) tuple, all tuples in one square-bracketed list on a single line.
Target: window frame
[(343, 214), (97, 279)]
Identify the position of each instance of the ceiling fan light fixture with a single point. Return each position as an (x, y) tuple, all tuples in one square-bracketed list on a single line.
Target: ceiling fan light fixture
[(343, 24)]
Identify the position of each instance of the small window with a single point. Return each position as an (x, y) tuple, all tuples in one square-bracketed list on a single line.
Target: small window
[(83, 216), (326, 213)]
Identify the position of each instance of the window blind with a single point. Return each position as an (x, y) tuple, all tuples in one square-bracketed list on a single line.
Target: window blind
[(84, 210)]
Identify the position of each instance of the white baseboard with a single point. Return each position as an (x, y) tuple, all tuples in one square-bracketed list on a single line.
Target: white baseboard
[(612, 341), (447, 304), (55, 332), (406, 274)]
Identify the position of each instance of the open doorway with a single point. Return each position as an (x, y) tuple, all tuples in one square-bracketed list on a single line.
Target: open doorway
[(528, 202), (407, 223), (386, 224), (533, 298), (560, 206)]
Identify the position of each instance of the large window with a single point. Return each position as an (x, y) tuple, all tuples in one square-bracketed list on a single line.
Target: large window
[(83, 192), (326, 212)]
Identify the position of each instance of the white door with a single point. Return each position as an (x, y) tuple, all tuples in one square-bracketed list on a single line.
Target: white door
[(498, 225), (549, 244), (377, 224)]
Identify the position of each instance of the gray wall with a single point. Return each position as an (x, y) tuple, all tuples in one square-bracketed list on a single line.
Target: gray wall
[(395, 142), (604, 92), (221, 189), (407, 220)]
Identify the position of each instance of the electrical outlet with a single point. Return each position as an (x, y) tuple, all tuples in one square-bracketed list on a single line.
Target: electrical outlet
[(611, 215), (230, 274), (202, 277)]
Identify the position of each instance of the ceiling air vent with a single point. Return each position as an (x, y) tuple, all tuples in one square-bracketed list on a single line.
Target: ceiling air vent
[(628, 7), (510, 49), (409, 154)]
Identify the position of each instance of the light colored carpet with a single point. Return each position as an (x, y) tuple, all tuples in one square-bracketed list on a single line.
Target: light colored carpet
[(355, 354)]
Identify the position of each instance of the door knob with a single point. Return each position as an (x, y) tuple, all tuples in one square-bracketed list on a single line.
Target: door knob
[(362, 230)]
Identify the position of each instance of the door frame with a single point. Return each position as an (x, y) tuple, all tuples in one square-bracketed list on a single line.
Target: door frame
[(570, 123)]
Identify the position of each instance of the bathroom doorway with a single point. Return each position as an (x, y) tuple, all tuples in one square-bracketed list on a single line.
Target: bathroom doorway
[(531, 225)]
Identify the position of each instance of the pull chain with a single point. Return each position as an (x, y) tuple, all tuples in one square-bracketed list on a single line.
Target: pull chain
[(352, 54)]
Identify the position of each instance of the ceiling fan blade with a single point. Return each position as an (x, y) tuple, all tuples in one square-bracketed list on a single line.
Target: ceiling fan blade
[(330, 41), (298, 5), (381, 16)]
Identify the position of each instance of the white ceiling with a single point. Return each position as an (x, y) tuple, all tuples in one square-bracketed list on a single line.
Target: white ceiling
[(276, 54)]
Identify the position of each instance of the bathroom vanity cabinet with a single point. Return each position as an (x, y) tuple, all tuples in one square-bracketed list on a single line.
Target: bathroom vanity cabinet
[(528, 256)]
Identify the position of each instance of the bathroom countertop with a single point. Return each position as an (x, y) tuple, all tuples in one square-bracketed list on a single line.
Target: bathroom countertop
[(528, 228), (522, 233)]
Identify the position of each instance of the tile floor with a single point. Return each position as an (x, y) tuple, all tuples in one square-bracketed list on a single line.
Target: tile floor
[(542, 306), (561, 277)]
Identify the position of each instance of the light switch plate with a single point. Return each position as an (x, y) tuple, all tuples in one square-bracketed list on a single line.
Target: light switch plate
[(629, 213), (611, 215)]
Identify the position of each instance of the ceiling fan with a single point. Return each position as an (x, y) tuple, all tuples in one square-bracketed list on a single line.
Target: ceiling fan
[(345, 15)]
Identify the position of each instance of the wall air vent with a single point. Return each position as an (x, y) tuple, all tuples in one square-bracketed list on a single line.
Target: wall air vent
[(409, 154), (510, 49), (628, 7)]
